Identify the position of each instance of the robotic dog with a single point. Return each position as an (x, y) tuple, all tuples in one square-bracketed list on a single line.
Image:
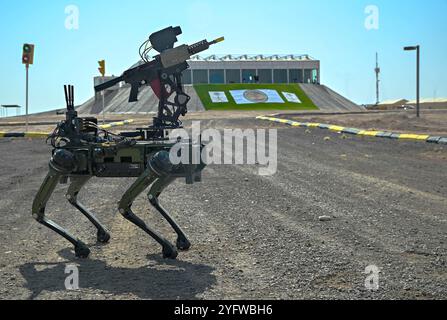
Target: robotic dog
[(82, 150)]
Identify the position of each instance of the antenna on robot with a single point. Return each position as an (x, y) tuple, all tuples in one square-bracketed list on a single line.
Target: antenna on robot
[(69, 96)]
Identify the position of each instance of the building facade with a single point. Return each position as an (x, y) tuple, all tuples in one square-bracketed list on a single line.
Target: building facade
[(229, 69)]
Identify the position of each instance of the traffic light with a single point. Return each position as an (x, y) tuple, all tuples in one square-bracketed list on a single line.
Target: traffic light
[(28, 54), (102, 67)]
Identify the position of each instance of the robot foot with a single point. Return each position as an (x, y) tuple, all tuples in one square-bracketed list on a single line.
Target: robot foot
[(103, 236), (183, 244), (169, 252), (81, 250)]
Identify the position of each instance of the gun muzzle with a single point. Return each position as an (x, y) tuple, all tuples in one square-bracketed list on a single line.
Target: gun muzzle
[(217, 40)]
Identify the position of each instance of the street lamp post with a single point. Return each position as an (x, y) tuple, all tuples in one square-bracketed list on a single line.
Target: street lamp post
[(418, 58)]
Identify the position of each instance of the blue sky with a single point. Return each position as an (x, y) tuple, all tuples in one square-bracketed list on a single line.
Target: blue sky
[(330, 30)]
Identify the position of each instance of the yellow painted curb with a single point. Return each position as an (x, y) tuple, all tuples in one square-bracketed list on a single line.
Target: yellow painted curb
[(36, 135), (414, 136), (336, 128), (46, 134), (369, 133)]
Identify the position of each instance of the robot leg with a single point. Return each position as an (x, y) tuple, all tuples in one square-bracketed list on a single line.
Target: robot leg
[(158, 164), (157, 188), (61, 164), (76, 185)]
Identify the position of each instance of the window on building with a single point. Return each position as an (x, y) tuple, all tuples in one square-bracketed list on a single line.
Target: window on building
[(200, 76), (307, 75), (296, 75), (265, 75), (280, 76), (217, 76), (186, 77), (248, 75), (233, 75), (314, 76)]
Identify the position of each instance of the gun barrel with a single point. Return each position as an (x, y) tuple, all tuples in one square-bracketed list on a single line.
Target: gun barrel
[(108, 84), (203, 45)]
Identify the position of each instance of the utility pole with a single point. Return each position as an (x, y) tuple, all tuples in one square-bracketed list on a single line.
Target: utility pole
[(377, 70)]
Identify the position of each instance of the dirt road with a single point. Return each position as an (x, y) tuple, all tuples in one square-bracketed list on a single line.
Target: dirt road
[(253, 237)]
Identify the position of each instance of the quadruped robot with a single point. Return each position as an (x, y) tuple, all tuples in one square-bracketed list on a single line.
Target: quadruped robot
[(83, 150)]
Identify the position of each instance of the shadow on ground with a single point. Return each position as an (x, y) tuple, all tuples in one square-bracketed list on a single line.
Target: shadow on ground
[(162, 279)]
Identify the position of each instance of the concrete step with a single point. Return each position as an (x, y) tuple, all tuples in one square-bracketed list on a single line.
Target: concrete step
[(116, 102), (327, 99)]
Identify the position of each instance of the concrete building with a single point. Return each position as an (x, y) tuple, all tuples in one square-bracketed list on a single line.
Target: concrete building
[(221, 69), (227, 69)]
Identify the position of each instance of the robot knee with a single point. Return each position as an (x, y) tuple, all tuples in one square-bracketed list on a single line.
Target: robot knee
[(39, 216), (125, 212)]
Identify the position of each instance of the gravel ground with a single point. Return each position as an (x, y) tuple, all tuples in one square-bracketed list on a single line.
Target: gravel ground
[(253, 237)]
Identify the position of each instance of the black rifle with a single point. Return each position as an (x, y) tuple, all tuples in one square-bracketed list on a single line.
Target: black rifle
[(167, 63), (164, 75)]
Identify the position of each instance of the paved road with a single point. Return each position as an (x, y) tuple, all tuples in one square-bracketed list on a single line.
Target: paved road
[(253, 236)]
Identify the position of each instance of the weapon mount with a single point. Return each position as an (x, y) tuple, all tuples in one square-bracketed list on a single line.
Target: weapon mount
[(164, 74)]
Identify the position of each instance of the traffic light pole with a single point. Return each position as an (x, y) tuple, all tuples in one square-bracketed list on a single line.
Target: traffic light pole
[(26, 106), (102, 71), (418, 68), (103, 111)]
